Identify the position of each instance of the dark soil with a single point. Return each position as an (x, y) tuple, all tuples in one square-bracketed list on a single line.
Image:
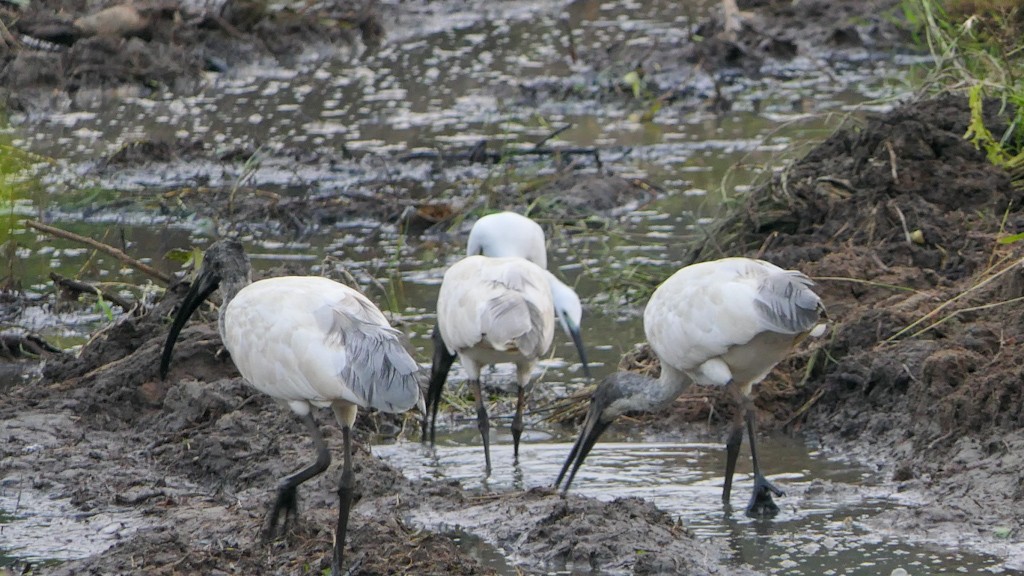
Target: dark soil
[(900, 202), (56, 54)]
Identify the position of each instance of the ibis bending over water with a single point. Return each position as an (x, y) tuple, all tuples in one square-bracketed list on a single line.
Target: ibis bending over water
[(308, 342), (492, 310), (510, 234), (505, 234), (721, 323)]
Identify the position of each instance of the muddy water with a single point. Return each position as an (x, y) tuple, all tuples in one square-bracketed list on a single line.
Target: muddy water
[(445, 85), (824, 526)]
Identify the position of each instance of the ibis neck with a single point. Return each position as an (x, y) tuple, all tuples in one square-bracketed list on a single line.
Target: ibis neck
[(624, 392), (229, 288), (671, 384)]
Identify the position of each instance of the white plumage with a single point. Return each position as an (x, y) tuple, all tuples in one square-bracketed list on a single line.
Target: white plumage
[(503, 235), (307, 341), (507, 234), (722, 323), (492, 310)]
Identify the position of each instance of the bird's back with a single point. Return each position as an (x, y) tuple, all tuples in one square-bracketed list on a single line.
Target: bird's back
[(507, 234), (748, 313), (306, 338), (496, 303)]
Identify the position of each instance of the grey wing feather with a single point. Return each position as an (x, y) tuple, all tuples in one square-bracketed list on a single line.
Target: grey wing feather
[(510, 317), (787, 303), (532, 342), (380, 368)]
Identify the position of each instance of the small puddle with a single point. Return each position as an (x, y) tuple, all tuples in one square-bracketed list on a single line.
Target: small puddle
[(821, 529), (38, 529)]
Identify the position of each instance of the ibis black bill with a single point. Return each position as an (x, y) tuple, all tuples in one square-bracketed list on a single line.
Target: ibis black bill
[(592, 430), (439, 368), (577, 339), (615, 394), (204, 285)]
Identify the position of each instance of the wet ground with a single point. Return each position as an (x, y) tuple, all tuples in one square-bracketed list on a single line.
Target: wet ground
[(174, 476)]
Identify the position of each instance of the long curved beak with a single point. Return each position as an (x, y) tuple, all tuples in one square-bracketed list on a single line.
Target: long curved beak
[(439, 368), (593, 427), (577, 339), (204, 285)]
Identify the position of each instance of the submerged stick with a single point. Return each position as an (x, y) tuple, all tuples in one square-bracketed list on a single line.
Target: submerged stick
[(79, 287), (106, 248)]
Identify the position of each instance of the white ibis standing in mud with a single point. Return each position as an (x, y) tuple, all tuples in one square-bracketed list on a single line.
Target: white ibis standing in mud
[(505, 234), (308, 342), (492, 310), (721, 323)]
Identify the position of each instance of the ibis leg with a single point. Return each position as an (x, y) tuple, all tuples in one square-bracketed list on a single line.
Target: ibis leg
[(345, 490), (517, 421), (761, 503), (732, 452), (482, 423), (439, 368), (287, 489)]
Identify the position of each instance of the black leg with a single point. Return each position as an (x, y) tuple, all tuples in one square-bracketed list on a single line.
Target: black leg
[(732, 452), (517, 421), (439, 368), (761, 503), (287, 489), (345, 490), (482, 422)]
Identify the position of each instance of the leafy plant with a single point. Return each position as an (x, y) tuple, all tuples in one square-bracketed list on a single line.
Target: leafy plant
[(976, 48)]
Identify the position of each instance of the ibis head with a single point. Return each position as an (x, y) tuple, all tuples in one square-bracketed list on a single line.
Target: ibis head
[(224, 262)]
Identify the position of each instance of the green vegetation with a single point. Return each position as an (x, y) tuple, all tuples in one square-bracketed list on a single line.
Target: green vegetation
[(976, 46), (15, 188)]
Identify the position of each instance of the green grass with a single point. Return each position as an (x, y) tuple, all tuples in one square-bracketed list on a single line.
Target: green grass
[(977, 50)]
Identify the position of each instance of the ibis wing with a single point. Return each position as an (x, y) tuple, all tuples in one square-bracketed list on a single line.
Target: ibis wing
[(510, 317), (786, 302), (502, 300), (379, 368)]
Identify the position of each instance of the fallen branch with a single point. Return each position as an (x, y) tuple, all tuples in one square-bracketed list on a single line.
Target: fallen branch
[(124, 258), (77, 287), (483, 156), (24, 345)]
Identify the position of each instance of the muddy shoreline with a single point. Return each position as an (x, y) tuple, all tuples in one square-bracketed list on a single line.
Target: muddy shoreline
[(179, 472)]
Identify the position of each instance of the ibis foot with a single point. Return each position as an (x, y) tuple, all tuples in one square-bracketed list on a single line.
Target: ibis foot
[(287, 502), (761, 503)]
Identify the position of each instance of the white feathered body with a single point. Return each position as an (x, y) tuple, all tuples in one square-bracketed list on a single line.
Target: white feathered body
[(493, 310), (309, 340), (730, 320)]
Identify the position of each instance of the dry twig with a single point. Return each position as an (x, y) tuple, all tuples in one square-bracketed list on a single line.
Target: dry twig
[(106, 248)]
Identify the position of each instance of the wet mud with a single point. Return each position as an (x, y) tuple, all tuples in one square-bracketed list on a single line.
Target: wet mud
[(900, 202)]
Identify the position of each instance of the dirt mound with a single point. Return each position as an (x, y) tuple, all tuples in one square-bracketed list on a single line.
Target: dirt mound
[(766, 30), (894, 217)]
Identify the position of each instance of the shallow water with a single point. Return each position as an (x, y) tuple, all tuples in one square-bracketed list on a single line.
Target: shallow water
[(446, 84), (820, 529)]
